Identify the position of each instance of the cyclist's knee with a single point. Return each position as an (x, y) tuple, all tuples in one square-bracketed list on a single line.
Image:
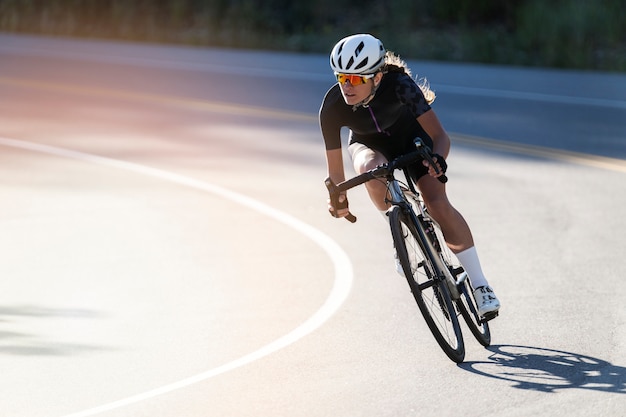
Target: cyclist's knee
[(370, 164), (364, 158)]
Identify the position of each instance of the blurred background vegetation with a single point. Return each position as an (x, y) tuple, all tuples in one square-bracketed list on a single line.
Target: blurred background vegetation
[(582, 34)]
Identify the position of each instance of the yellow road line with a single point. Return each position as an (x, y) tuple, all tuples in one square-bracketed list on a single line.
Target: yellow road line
[(612, 164)]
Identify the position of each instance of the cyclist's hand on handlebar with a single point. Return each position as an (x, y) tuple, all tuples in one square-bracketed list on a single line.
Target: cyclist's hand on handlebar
[(340, 208), (338, 202), (442, 166)]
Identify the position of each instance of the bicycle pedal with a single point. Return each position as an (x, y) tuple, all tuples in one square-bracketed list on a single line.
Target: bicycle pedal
[(489, 316)]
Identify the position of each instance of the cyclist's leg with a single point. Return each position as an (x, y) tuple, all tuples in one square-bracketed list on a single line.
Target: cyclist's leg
[(459, 239), (454, 227), (364, 159)]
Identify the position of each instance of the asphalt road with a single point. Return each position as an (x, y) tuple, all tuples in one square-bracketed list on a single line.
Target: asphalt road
[(166, 249)]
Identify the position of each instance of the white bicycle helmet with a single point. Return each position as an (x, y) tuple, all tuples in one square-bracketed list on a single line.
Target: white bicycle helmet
[(357, 54)]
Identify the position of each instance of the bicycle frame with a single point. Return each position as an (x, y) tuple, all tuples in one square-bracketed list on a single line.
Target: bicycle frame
[(398, 197), (436, 280)]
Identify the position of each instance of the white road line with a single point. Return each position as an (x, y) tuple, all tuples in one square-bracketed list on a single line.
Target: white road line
[(530, 96), (281, 73), (168, 63), (339, 292)]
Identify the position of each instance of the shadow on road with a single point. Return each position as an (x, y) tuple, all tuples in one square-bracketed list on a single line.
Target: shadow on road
[(16, 320), (549, 370)]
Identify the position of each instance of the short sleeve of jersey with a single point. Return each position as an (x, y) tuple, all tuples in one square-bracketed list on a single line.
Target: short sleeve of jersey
[(331, 115), (410, 94)]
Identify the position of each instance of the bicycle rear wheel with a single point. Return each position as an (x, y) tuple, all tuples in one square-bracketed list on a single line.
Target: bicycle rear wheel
[(465, 303), (430, 292), (469, 311)]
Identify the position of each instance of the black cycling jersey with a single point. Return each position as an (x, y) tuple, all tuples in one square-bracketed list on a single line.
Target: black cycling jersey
[(388, 124)]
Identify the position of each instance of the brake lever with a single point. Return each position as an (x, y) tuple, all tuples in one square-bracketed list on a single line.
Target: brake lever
[(427, 156)]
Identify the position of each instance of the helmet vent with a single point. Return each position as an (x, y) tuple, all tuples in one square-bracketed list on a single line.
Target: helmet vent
[(359, 48), (362, 64)]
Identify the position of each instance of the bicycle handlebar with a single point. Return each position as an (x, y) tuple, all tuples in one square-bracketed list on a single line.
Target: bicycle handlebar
[(422, 152)]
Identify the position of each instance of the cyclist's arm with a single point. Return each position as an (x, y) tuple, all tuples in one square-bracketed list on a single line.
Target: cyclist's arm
[(441, 142), (334, 160), (431, 124)]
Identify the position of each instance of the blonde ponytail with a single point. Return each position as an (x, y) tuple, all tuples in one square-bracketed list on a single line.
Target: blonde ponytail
[(429, 94), (393, 62)]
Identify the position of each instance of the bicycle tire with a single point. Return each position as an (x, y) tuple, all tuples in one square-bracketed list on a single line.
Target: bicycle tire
[(430, 292), (466, 303)]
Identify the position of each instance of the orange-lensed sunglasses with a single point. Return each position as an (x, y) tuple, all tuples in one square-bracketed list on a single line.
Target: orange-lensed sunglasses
[(353, 78)]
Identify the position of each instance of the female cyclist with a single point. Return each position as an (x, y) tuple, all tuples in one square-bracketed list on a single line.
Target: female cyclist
[(385, 109)]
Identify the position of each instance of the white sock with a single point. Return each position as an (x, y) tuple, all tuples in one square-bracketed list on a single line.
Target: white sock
[(470, 262)]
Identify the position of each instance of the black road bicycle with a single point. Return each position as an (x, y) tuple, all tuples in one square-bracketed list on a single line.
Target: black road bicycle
[(439, 284)]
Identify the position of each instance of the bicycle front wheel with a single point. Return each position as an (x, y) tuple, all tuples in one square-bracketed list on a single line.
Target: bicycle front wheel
[(429, 290)]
